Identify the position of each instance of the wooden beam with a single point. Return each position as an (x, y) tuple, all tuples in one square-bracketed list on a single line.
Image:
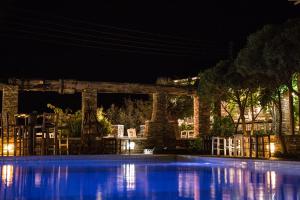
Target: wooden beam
[(72, 86)]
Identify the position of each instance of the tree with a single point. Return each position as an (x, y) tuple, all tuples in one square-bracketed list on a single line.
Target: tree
[(223, 84), (180, 107), (132, 114), (268, 62)]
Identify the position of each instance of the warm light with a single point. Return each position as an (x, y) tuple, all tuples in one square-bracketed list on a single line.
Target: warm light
[(130, 145), (272, 147), (8, 148), (129, 172), (37, 179), (7, 174)]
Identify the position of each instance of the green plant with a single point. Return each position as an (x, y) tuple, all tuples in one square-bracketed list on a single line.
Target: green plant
[(69, 121), (74, 124), (132, 114), (195, 145), (223, 126), (186, 127), (104, 125)]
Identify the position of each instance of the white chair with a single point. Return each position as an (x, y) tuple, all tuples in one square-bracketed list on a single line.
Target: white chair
[(238, 145), (148, 151), (183, 134), (190, 134), (142, 130), (228, 146), (63, 143), (218, 144), (131, 132), (118, 130)]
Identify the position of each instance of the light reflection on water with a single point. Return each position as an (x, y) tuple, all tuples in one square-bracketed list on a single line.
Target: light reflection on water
[(7, 174), (143, 181)]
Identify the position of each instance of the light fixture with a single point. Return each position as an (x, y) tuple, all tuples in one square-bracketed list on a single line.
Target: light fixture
[(130, 145), (272, 147), (8, 148)]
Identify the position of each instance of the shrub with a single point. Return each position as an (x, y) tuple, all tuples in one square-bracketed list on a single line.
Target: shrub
[(104, 126), (223, 126)]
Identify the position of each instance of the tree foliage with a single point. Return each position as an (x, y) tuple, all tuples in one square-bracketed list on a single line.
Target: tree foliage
[(132, 114)]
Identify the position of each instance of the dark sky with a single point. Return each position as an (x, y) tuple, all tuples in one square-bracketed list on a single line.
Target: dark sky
[(126, 41)]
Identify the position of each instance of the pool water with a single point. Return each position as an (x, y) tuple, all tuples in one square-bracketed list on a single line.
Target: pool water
[(102, 179)]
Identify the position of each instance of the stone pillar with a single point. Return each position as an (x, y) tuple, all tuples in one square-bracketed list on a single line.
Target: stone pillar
[(196, 116), (10, 103), (201, 116), (286, 129), (89, 121), (159, 112), (161, 133)]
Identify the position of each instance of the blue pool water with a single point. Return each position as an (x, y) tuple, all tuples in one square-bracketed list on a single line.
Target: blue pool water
[(104, 179)]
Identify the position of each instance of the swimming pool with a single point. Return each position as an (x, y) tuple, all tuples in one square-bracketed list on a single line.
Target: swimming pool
[(143, 177)]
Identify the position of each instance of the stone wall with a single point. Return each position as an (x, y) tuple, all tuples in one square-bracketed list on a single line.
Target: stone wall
[(10, 103), (292, 143)]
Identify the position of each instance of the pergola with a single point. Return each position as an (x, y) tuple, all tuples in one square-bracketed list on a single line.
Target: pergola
[(159, 130)]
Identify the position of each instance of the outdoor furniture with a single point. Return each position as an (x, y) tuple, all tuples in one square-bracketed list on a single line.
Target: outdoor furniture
[(63, 143), (183, 134), (238, 145), (131, 132), (190, 134), (148, 151), (118, 130), (228, 146), (218, 144), (142, 131), (187, 134)]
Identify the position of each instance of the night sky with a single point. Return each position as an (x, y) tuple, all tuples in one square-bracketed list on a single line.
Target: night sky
[(127, 41)]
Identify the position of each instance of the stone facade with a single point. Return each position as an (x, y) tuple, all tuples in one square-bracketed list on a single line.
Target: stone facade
[(159, 130), (10, 103), (292, 143)]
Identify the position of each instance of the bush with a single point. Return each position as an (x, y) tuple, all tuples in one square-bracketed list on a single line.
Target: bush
[(104, 126), (184, 127), (195, 145), (74, 124), (223, 126)]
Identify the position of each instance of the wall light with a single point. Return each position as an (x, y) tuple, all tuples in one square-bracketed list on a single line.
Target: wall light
[(272, 147)]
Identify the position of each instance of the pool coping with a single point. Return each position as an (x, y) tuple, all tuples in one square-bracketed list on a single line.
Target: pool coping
[(241, 159), (143, 157)]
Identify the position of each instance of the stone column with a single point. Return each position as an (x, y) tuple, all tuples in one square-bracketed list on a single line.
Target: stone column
[(201, 116), (10, 103), (159, 112), (196, 116), (286, 129), (89, 121), (161, 133)]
